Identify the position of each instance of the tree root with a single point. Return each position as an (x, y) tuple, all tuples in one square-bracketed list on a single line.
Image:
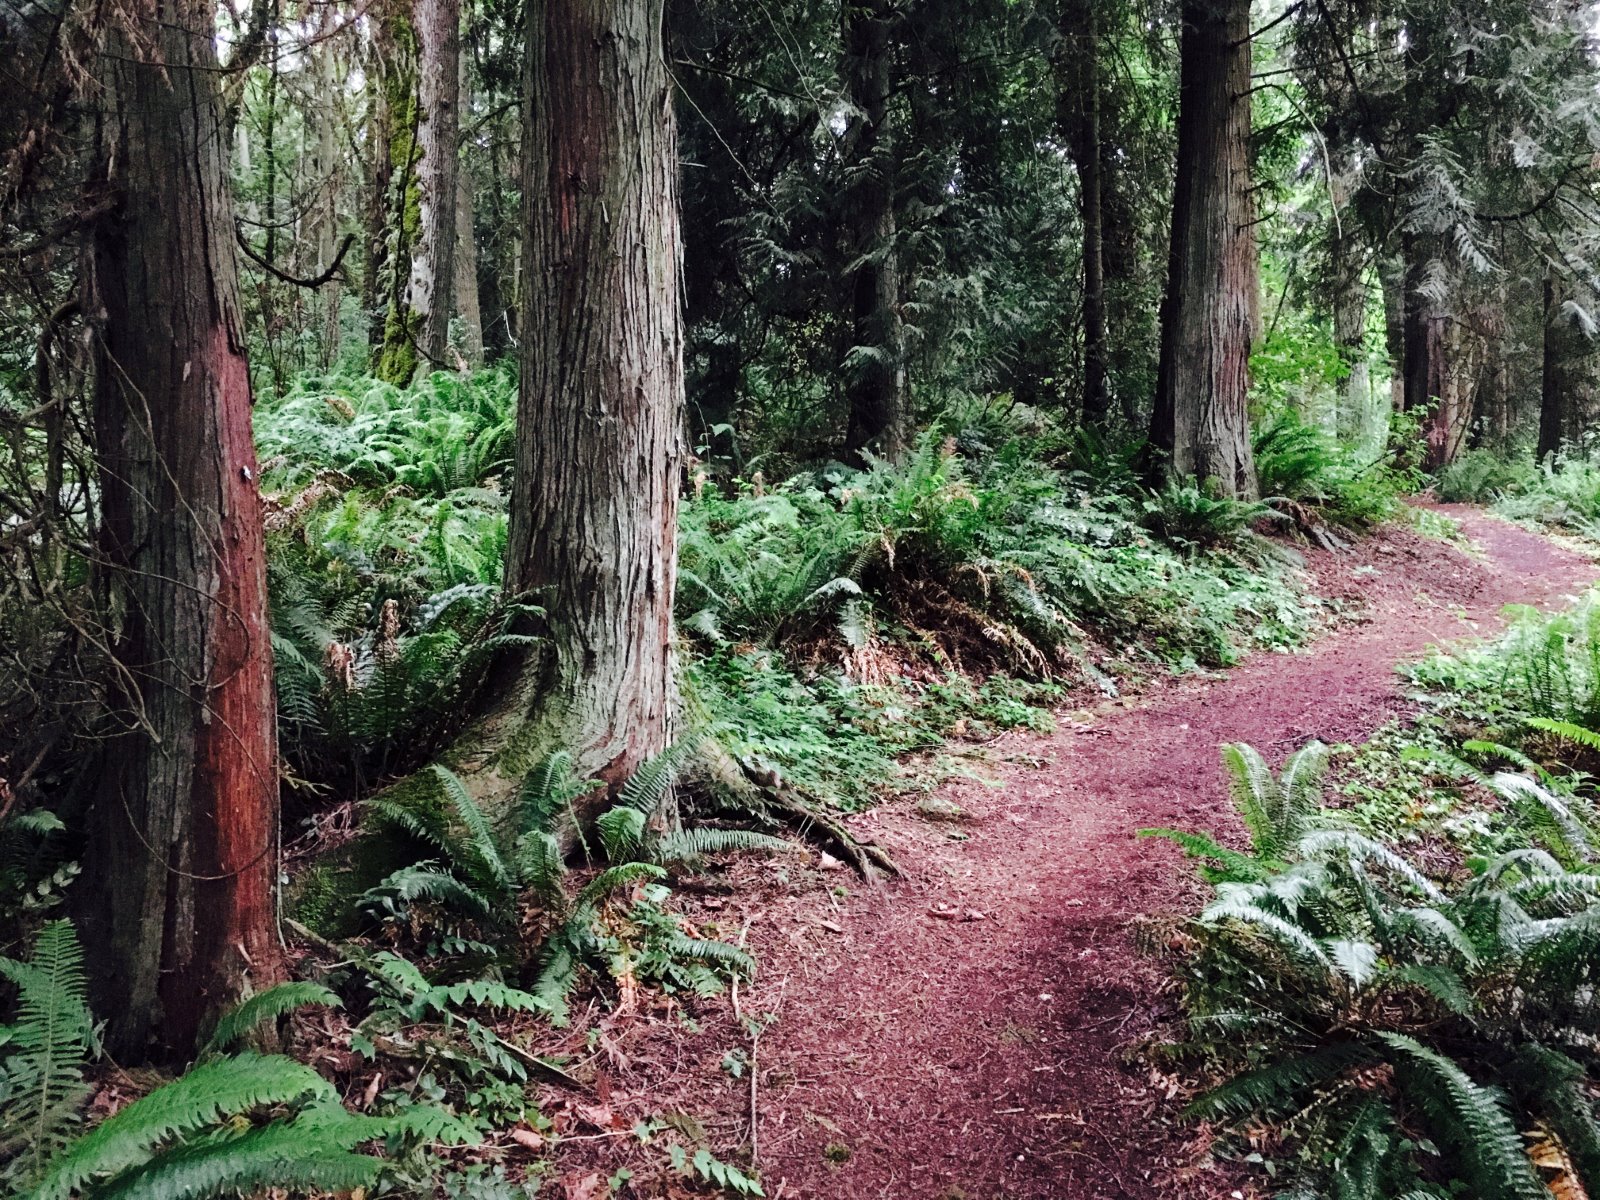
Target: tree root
[(759, 787)]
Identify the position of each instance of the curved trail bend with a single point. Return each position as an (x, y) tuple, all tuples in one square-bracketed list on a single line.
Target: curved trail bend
[(985, 1058)]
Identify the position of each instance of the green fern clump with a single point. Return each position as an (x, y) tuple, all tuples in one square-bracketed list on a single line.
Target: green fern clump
[(1401, 1035), (472, 876), (235, 1124)]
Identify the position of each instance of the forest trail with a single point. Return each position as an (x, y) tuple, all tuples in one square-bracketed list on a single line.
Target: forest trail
[(972, 1030)]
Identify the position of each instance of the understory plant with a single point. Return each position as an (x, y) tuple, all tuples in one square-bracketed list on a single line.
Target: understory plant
[(236, 1123), (1395, 1036), (498, 892)]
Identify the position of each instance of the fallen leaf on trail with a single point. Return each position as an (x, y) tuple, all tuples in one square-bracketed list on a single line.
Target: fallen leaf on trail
[(946, 912), (828, 862), (529, 1139), (598, 1115), (831, 927), (590, 1187)]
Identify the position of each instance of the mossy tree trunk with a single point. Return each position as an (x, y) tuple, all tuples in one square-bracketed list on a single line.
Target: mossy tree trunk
[(595, 498), (182, 853), (1200, 424)]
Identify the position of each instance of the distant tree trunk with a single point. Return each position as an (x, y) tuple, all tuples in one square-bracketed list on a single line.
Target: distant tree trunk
[(1087, 155), (594, 498), (1552, 393), (328, 174), (465, 288), (874, 369), (1200, 425), (1427, 384), (433, 265), (466, 284), (182, 848), (380, 178), (1392, 279)]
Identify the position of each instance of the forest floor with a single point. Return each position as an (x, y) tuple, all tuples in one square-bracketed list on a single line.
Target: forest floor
[(979, 1029)]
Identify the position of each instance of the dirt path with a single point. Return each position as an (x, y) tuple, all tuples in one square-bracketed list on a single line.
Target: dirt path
[(917, 1056)]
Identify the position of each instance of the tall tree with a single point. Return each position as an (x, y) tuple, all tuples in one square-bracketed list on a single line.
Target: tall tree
[(594, 502), (184, 835), (1081, 32), (1200, 424), (433, 266), (875, 373)]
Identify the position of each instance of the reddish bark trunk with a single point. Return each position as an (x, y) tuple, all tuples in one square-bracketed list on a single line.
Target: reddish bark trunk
[(183, 843), (1200, 424)]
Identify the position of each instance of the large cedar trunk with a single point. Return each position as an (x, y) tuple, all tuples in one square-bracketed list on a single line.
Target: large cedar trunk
[(595, 499), (1083, 34), (875, 375), (433, 266), (183, 840), (1200, 425)]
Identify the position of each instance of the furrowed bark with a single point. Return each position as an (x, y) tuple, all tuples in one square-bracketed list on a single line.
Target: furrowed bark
[(183, 833), (1200, 422), (594, 502)]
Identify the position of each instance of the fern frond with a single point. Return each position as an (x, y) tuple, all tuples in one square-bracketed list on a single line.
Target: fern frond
[(485, 852), (217, 1088), (1470, 1116), (49, 1045), (294, 1156), (1255, 795), (612, 878), (267, 1005), (686, 845), (621, 831), (648, 785), (728, 958), (1279, 1087)]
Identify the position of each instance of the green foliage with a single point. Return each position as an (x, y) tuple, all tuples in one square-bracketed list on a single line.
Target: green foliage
[(237, 1024), (476, 878), (44, 1051), (386, 535), (1386, 1024), (1482, 477), (233, 1125), (1543, 667)]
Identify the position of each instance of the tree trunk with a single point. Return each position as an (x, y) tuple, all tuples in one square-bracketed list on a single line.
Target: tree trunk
[(465, 288), (183, 841), (1200, 425), (874, 368), (433, 266), (595, 495), (1427, 384), (328, 174), (1087, 155), (1552, 393)]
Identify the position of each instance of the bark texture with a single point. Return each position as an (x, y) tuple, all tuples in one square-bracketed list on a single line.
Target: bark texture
[(874, 367), (594, 503), (1200, 423), (433, 266), (1553, 401), (1425, 377), (184, 832), (1082, 34)]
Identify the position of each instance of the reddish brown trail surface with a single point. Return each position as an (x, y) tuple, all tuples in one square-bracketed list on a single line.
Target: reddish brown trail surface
[(995, 1057)]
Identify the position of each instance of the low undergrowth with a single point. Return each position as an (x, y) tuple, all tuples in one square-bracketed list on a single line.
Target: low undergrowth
[(1392, 991), (831, 623)]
